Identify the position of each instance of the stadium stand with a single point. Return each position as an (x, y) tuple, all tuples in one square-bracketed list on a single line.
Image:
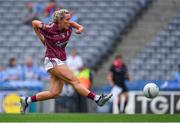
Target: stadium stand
[(160, 58), (103, 21)]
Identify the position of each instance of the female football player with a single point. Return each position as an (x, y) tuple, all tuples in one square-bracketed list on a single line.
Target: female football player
[(55, 36)]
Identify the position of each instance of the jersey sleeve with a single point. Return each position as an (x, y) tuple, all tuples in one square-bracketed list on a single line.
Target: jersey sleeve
[(43, 26), (46, 27)]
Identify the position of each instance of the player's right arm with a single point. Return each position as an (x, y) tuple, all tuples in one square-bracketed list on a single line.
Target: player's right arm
[(37, 25)]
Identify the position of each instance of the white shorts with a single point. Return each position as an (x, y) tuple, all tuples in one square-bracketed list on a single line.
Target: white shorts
[(115, 91), (50, 63)]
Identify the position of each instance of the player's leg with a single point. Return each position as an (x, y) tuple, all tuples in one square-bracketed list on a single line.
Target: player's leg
[(55, 90), (64, 73), (119, 101), (56, 86), (126, 95)]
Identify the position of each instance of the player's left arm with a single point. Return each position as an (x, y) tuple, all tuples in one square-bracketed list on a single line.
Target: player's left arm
[(79, 28)]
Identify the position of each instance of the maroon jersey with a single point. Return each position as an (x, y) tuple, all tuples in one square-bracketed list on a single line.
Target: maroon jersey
[(55, 40)]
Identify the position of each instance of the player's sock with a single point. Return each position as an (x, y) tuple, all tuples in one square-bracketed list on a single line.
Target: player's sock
[(119, 105), (125, 104), (93, 96), (31, 99)]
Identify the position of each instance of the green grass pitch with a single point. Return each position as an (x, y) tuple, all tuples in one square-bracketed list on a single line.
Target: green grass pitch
[(70, 117)]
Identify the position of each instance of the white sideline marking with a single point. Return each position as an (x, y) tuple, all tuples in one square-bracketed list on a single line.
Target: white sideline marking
[(89, 122)]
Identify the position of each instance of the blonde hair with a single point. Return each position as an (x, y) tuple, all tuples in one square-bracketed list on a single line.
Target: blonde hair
[(60, 14)]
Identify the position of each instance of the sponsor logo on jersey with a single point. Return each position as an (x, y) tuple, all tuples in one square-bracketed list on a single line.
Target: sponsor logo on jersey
[(61, 44)]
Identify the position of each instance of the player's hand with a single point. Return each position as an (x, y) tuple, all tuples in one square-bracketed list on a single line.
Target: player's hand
[(79, 31)]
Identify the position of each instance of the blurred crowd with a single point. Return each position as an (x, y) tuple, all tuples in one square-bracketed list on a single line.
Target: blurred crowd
[(28, 71), (43, 12)]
